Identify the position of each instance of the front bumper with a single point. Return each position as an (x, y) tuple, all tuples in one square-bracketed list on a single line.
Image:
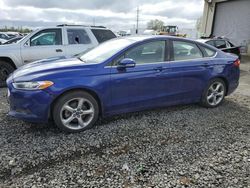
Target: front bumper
[(32, 106)]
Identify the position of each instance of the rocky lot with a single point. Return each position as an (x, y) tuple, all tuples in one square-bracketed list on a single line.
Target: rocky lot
[(180, 146)]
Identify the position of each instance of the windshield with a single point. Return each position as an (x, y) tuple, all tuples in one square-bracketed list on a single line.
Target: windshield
[(104, 51), (27, 36)]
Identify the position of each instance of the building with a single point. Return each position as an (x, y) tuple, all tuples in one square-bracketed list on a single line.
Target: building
[(228, 18)]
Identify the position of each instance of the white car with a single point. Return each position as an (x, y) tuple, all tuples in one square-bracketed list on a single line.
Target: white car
[(3, 37), (62, 40), (2, 41)]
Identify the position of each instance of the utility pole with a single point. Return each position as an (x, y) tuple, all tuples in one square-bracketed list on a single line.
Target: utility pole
[(94, 21), (137, 20)]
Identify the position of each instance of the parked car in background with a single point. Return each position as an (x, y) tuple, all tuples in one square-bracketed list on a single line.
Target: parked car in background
[(223, 44), (119, 76), (13, 40), (62, 40), (2, 41), (13, 34), (3, 37)]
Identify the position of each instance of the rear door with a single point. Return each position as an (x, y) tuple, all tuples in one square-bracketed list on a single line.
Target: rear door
[(44, 44), (78, 41), (189, 69)]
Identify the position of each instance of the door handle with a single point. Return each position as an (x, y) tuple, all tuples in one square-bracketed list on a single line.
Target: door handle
[(158, 69), (58, 50)]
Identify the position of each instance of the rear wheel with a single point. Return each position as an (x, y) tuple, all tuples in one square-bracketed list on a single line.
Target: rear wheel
[(76, 111), (5, 70), (214, 93)]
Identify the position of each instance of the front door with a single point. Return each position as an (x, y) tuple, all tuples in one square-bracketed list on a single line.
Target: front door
[(142, 86), (46, 43)]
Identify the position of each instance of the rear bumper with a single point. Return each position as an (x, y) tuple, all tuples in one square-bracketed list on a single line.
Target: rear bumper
[(233, 79), (232, 87), (32, 106)]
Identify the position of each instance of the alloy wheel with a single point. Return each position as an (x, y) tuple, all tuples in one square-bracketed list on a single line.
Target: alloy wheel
[(215, 93), (77, 113)]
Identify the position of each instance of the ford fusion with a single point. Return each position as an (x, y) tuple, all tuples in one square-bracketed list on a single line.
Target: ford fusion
[(119, 76)]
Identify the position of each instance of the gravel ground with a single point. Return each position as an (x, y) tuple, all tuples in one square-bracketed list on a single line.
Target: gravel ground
[(181, 146)]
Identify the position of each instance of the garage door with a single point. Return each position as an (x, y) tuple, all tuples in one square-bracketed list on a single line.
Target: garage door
[(232, 20)]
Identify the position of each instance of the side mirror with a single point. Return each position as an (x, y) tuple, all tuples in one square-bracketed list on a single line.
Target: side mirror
[(126, 63), (27, 43)]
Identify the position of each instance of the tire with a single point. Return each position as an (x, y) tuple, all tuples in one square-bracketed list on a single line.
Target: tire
[(214, 93), (75, 111), (5, 69)]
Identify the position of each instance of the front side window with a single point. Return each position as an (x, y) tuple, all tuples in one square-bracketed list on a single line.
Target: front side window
[(220, 44), (147, 53), (78, 36), (103, 35), (185, 51), (47, 37)]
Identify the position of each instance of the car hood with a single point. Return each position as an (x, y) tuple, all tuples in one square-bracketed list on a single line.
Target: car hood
[(45, 67), (7, 47)]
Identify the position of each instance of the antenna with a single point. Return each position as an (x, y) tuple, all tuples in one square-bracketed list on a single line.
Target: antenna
[(137, 20)]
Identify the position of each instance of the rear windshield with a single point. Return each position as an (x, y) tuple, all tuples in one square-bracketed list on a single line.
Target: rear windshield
[(103, 35)]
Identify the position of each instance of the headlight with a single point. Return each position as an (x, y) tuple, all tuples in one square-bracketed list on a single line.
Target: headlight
[(32, 85)]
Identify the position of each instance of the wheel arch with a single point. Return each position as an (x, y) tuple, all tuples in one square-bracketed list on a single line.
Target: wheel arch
[(90, 91), (8, 60)]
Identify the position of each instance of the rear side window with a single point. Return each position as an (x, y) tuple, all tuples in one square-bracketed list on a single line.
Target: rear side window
[(78, 36), (185, 51), (220, 44), (103, 35), (207, 51)]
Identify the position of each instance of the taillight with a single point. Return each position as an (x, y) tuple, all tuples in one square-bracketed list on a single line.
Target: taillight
[(237, 63)]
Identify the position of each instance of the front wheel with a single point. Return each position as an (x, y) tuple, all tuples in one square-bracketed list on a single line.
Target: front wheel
[(214, 94), (5, 70), (76, 111)]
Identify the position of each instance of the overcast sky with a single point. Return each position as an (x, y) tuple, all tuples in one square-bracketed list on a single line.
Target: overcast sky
[(116, 14)]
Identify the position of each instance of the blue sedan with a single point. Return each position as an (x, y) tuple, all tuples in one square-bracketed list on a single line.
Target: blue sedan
[(119, 76)]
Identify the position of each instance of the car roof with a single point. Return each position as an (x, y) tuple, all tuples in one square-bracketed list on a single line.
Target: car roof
[(81, 26), (138, 38), (203, 40)]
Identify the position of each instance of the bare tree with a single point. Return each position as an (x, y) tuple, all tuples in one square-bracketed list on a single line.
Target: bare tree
[(198, 24), (155, 24)]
